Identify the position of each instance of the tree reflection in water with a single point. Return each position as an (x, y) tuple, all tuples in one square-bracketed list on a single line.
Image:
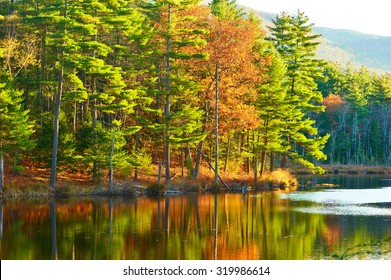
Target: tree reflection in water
[(208, 226)]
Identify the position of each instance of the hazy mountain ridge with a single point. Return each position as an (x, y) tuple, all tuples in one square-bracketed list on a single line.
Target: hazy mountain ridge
[(343, 46), (361, 49)]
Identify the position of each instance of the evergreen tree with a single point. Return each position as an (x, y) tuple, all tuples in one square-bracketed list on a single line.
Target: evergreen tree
[(294, 40), (15, 126), (272, 109), (89, 86), (175, 42), (226, 9)]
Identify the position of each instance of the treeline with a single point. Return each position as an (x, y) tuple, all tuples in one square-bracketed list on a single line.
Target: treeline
[(112, 86), (357, 116)]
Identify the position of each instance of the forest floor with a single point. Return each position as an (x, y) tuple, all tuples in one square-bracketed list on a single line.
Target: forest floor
[(34, 180)]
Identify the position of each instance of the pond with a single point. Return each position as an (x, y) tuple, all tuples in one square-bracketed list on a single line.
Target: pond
[(343, 217)]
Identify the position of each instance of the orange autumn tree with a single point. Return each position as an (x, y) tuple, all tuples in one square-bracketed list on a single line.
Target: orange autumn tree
[(335, 113), (228, 79)]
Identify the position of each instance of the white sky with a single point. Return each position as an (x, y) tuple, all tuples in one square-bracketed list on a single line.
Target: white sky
[(367, 16)]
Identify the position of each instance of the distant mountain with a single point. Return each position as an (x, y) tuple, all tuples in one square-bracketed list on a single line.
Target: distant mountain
[(361, 49), (344, 46)]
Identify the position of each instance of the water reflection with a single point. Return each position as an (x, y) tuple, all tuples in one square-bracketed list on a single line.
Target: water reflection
[(215, 227), (346, 181), (1, 219), (53, 228), (223, 226)]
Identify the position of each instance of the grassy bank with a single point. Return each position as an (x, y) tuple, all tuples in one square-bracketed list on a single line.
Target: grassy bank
[(347, 169), (34, 181)]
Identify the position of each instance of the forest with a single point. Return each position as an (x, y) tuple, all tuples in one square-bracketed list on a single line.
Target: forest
[(114, 88)]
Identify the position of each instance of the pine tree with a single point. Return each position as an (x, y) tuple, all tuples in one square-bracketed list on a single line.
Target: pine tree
[(175, 42), (272, 108), (15, 126), (89, 86), (226, 9), (294, 40)]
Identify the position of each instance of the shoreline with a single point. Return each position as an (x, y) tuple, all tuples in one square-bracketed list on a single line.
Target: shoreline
[(286, 183), (347, 170)]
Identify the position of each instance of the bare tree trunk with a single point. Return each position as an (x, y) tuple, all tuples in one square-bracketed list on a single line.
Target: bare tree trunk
[(166, 141), (190, 161), (217, 127), (56, 127), (263, 161), (255, 169), (284, 160), (12, 26), (136, 144), (1, 172), (227, 152), (200, 146), (271, 161), (94, 110), (159, 172), (183, 157), (111, 161), (198, 159)]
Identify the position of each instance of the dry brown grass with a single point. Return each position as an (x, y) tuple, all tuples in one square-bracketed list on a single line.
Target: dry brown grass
[(34, 180), (280, 178)]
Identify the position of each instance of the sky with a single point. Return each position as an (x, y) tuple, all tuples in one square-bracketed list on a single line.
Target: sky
[(339, 14)]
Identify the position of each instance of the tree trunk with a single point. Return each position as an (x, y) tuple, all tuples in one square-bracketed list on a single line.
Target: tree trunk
[(159, 172), (216, 127), (95, 175), (263, 161), (200, 146), (111, 161), (56, 127), (227, 152), (1, 172), (198, 160), (284, 160), (136, 146), (166, 141), (256, 170), (190, 161), (12, 13), (183, 156), (271, 162)]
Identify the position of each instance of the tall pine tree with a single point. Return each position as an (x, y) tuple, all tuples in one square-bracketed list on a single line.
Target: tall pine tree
[(175, 41), (294, 40)]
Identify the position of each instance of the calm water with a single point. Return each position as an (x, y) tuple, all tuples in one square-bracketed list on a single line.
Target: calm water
[(351, 220)]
